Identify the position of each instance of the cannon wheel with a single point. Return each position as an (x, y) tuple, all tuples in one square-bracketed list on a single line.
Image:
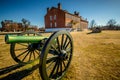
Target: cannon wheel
[(56, 56), (25, 52)]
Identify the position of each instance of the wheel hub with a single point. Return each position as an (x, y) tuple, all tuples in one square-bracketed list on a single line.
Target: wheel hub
[(33, 46), (63, 55)]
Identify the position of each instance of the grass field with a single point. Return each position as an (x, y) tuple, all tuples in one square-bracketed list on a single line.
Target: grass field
[(96, 57)]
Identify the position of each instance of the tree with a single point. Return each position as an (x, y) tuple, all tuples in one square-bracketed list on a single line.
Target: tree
[(111, 22), (92, 23), (2, 24), (26, 23), (73, 23)]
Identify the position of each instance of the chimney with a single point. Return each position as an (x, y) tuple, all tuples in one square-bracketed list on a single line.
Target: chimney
[(76, 13), (59, 6), (48, 9)]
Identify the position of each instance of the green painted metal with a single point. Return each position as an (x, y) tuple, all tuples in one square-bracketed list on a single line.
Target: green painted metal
[(23, 39)]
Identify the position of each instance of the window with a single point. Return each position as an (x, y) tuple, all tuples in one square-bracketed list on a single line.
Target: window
[(55, 24), (50, 24), (54, 17), (50, 18)]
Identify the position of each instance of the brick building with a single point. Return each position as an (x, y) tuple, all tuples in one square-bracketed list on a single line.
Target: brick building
[(58, 19), (9, 25)]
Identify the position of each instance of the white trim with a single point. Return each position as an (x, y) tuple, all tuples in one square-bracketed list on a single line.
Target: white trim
[(57, 29)]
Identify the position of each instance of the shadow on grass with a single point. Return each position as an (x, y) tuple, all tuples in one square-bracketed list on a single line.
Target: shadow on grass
[(17, 75), (9, 69), (92, 33)]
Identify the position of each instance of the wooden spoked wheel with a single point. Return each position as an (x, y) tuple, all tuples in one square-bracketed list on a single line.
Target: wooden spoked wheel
[(56, 56), (26, 52)]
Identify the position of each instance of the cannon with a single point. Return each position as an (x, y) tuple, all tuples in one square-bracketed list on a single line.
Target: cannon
[(54, 52), (96, 30)]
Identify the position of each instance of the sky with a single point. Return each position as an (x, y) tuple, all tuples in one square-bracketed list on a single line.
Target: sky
[(34, 10)]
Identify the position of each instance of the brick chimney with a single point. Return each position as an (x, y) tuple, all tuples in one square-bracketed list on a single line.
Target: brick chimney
[(59, 6), (76, 13), (48, 9)]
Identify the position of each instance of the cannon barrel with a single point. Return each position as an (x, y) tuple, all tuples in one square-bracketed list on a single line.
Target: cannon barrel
[(23, 39)]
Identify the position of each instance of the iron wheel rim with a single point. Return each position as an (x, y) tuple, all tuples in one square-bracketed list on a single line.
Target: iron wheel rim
[(62, 56)]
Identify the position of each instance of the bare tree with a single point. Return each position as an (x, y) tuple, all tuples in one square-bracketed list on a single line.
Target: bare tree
[(26, 23), (111, 23), (92, 23)]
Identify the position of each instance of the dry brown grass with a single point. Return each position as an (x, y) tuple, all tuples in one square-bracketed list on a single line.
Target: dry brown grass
[(96, 57)]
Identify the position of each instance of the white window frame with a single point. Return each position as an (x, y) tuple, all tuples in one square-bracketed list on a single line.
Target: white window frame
[(51, 24), (54, 17), (50, 18), (55, 24)]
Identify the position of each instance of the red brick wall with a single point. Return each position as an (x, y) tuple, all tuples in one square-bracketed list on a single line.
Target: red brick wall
[(60, 18), (84, 25), (72, 21)]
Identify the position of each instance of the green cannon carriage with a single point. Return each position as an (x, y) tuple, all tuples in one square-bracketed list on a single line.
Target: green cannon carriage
[(54, 52)]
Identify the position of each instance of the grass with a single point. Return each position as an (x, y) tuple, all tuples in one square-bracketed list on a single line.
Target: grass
[(96, 57)]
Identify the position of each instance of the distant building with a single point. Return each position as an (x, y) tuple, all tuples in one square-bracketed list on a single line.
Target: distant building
[(58, 19), (9, 25)]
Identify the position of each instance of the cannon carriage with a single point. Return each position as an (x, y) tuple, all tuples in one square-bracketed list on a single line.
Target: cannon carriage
[(54, 52)]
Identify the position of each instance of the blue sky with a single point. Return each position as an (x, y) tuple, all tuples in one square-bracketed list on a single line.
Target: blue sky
[(34, 10)]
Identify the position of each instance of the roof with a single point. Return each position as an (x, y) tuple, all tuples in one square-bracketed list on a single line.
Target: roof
[(84, 20), (65, 11)]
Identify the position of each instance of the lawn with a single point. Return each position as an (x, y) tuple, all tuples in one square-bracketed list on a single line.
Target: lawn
[(96, 57)]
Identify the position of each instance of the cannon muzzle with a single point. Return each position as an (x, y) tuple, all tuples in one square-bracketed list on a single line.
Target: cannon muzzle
[(23, 39)]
